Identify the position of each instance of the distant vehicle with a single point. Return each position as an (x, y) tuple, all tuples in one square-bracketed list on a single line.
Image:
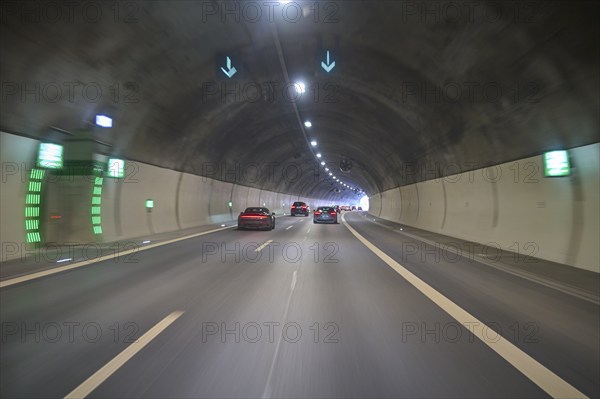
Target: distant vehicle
[(325, 214), (337, 208), (353, 207), (360, 208), (345, 208), (256, 218), (300, 208)]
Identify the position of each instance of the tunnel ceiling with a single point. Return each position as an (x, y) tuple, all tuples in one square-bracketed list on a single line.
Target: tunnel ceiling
[(412, 89)]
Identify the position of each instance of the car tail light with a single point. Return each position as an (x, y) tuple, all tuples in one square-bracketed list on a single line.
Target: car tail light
[(332, 213), (303, 206), (293, 206), (317, 212)]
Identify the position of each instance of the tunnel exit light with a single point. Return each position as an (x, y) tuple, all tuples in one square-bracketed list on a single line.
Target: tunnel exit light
[(50, 156), (556, 164), (103, 121)]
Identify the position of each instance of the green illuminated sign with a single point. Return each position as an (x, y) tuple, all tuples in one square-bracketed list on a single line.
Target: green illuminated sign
[(96, 205), (230, 204), (556, 163), (116, 168), (50, 156), (149, 203), (32, 206)]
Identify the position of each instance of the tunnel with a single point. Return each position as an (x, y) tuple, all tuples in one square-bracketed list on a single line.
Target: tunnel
[(300, 199)]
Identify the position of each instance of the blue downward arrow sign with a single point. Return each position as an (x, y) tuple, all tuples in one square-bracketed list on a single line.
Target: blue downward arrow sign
[(327, 67), (230, 69)]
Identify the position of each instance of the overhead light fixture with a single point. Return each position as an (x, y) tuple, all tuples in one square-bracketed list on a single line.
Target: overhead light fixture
[(322, 162), (330, 173), (300, 87), (103, 121), (307, 124), (326, 169), (318, 155), (313, 143)]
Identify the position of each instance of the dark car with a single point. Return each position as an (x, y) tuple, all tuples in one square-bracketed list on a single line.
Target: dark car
[(299, 208), (256, 218), (360, 208), (325, 214), (353, 207)]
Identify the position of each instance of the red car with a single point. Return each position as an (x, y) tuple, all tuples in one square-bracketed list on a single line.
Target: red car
[(256, 218)]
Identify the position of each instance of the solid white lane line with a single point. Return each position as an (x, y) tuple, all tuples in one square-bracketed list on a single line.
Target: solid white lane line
[(44, 273), (111, 367), (308, 231), (263, 246), (531, 368), (289, 227)]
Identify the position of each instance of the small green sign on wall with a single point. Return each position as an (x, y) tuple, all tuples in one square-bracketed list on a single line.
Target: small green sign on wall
[(556, 163), (149, 203), (116, 168), (50, 156)]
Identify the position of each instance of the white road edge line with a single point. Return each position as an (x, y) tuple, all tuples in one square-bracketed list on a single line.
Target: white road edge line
[(263, 246), (531, 368), (111, 367), (481, 258), (33, 276)]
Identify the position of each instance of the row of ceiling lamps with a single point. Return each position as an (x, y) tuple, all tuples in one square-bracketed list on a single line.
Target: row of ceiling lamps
[(313, 143)]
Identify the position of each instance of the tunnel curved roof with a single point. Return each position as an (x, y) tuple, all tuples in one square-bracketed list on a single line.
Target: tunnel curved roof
[(409, 89)]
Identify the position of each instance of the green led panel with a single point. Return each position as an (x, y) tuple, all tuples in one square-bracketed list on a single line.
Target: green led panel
[(35, 186), (32, 224), (32, 204), (32, 211), (33, 237), (32, 199), (36, 174), (96, 202)]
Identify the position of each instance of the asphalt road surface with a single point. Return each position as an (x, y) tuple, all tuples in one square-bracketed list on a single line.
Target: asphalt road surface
[(311, 313)]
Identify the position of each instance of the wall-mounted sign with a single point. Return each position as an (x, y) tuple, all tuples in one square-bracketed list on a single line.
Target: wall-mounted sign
[(556, 163), (116, 168), (50, 156)]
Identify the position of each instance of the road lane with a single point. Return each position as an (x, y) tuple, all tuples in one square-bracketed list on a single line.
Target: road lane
[(356, 317), (107, 296), (327, 292), (558, 330)]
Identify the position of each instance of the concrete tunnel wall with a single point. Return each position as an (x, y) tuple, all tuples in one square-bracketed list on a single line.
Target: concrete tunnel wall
[(510, 203), (181, 200)]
